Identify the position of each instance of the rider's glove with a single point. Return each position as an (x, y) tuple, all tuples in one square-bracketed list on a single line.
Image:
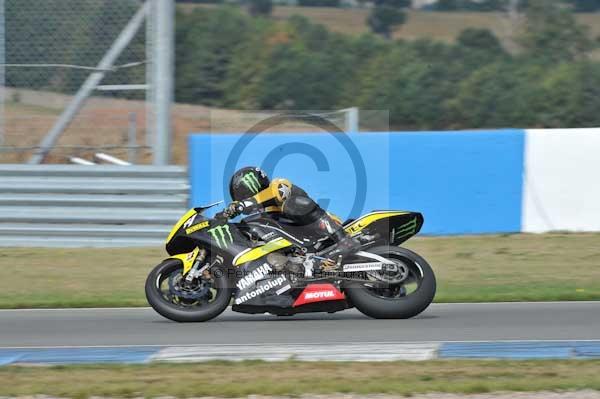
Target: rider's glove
[(233, 209)]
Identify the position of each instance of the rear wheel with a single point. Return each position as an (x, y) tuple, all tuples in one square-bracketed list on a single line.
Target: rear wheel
[(407, 291), (175, 298)]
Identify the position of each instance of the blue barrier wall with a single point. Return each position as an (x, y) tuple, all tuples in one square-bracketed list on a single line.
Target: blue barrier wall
[(463, 182)]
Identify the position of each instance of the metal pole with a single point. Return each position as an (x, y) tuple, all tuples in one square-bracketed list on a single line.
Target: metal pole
[(164, 22), (132, 138), (110, 159), (351, 125), (90, 84), (2, 69), (81, 161), (149, 131)]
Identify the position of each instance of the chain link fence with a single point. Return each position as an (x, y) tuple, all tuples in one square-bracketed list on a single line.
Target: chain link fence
[(48, 49)]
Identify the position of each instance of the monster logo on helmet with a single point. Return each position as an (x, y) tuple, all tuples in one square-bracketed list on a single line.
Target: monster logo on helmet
[(247, 182), (250, 181)]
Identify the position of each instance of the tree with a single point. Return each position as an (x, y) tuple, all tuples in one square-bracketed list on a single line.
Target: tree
[(552, 33), (260, 7), (319, 3), (447, 5), (387, 15), (483, 5), (411, 80), (205, 43), (585, 5), (469, 5), (571, 96), (480, 39), (502, 94)]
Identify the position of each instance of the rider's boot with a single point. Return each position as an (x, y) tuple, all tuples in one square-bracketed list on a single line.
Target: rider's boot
[(343, 244)]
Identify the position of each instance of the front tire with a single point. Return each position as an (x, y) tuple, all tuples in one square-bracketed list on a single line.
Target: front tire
[(180, 312), (369, 302)]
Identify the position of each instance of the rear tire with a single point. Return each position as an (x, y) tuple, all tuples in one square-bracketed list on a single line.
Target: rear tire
[(403, 307), (183, 314)]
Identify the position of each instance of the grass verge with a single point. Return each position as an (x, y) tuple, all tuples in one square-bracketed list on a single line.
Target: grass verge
[(469, 269), (224, 379)]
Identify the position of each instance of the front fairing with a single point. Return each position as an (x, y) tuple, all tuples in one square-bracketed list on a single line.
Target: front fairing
[(218, 236)]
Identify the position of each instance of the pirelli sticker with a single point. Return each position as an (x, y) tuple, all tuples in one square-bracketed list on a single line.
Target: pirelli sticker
[(197, 227)]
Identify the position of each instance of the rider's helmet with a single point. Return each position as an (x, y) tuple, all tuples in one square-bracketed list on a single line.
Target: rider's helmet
[(247, 182)]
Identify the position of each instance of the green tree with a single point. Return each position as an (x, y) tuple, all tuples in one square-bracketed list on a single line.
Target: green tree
[(226, 58), (205, 43), (585, 5), (570, 96), (502, 94), (447, 5), (410, 82), (552, 33), (476, 48), (319, 3), (386, 16), (298, 65), (260, 7), (480, 39), (483, 5)]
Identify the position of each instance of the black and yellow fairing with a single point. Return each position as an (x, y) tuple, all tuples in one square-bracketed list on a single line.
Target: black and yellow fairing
[(393, 227), (194, 230)]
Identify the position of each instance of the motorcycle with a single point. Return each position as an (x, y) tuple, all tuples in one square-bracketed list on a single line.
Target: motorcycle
[(266, 263)]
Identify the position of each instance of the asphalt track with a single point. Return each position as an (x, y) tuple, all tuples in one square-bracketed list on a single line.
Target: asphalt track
[(441, 322)]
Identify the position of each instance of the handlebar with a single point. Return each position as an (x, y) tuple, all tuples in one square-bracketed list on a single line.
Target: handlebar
[(221, 215)]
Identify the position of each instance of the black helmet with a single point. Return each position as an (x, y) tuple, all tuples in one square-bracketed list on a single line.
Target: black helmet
[(247, 182)]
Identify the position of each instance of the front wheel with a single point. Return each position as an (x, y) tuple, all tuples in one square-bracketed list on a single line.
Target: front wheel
[(400, 298), (174, 298)]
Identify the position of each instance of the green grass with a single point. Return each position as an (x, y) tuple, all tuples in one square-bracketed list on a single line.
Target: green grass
[(224, 379), (75, 277), (469, 269), (521, 267)]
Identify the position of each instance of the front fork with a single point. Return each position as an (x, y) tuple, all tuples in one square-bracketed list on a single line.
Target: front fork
[(191, 260)]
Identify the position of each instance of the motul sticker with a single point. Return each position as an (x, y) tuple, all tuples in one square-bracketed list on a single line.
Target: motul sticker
[(319, 293), (362, 267)]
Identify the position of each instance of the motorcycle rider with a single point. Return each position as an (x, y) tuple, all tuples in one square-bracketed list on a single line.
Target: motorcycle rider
[(252, 191)]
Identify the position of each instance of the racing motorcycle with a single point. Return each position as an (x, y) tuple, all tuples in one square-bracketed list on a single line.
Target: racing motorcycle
[(267, 264)]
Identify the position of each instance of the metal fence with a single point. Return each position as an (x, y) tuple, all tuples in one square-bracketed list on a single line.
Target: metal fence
[(90, 206), (77, 75)]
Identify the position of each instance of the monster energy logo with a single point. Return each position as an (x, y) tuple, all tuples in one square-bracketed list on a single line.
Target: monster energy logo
[(406, 230), (221, 235), (250, 180)]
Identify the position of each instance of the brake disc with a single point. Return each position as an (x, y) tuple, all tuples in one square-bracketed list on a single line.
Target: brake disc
[(197, 290)]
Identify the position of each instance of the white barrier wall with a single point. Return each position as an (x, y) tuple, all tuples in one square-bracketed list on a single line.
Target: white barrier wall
[(561, 184)]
